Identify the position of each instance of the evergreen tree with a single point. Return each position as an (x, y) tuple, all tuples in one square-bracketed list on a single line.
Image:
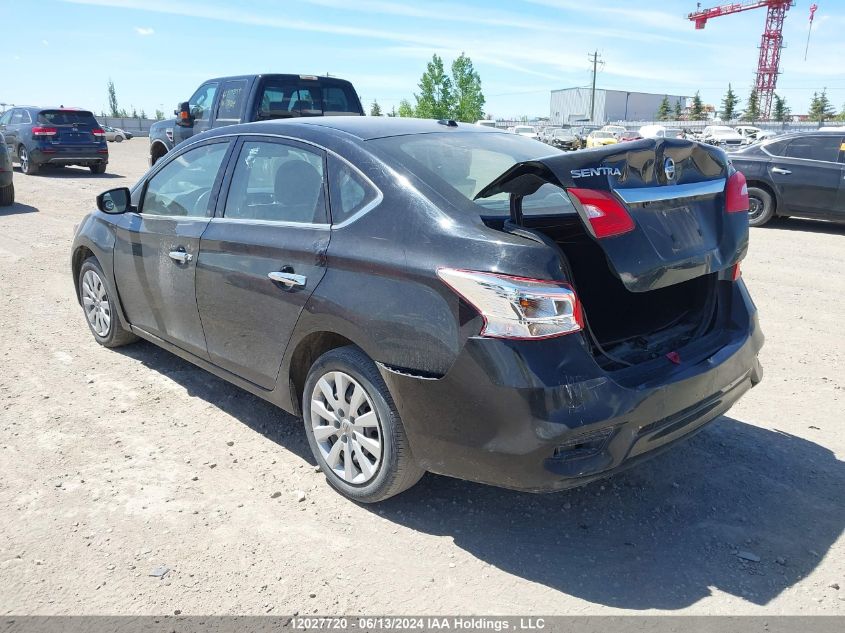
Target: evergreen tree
[(435, 98), (678, 110), (729, 104), (142, 114), (820, 107), (752, 111), (468, 99), (375, 110), (405, 109), (159, 115), (781, 113), (697, 112), (113, 109), (841, 116), (664, 111)]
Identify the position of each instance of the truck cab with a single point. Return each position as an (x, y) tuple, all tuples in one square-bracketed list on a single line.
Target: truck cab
[(232, 100)]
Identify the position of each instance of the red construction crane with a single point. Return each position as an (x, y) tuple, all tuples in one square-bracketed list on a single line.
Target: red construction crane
[(772, 41)]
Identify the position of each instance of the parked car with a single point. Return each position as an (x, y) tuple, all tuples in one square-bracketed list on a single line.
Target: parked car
[(116, 134), (54, 136), (629, 135), (564, 139), (7, 186), (539, 329), (616, 130), (233, 100), (582, 132), (528, 131), (599, 138), (661, 131), (796, 174), (722, 136), (486, 123), (752, 134)]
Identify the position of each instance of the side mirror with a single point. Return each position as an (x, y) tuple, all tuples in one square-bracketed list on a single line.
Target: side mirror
[(183, 115), (115, 201)]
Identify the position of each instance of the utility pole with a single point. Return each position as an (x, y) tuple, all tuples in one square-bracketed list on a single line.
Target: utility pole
[(595, 58)]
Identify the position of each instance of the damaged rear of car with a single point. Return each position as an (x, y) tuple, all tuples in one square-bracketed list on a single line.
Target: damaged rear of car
[(626, 328)]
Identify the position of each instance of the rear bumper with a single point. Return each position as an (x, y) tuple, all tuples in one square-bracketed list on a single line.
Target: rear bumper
[(60, 155), (542, 416)]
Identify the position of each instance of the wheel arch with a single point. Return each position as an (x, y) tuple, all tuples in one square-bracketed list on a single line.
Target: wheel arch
[(157, 150), (80, 254), (302, 358)]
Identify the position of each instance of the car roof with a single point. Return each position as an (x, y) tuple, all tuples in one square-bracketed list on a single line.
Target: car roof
[(362, 127), (285, 77)]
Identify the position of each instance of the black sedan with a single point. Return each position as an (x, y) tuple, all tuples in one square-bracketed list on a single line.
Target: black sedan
[(432, 296), (801, 174)]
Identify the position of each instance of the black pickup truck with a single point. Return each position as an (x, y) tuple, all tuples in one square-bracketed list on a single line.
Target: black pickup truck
[(232, 100)]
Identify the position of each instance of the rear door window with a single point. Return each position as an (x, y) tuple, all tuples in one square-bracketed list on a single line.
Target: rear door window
[(348, 190), (823, 148), (231, 101), (277, 182)]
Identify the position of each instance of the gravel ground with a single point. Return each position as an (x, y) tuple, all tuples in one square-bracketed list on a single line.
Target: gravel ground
[(133, 483)]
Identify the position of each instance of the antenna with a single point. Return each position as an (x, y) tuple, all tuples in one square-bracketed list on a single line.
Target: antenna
[(813, 8)]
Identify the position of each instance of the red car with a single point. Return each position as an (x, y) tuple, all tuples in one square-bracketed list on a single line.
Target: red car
[(629, 136)]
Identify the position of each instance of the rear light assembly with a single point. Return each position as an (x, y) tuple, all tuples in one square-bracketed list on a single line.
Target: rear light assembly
[(736, 194), (517, 307), (44, 131), (98, 132), (606, 215), (736, 272)]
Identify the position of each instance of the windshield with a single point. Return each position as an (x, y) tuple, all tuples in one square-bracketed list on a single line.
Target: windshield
[(603, 135), (466, 163), (723, 130), (524, 129), (563, 133)]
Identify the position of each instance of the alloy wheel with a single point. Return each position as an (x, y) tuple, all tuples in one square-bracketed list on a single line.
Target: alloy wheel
[(346, 427), (23, 156), (95, 301)]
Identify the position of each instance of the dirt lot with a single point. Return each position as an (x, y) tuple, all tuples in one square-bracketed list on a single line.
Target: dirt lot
[(116, 463)]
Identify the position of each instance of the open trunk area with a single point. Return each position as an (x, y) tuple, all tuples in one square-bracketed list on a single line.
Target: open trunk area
[(627, 328)]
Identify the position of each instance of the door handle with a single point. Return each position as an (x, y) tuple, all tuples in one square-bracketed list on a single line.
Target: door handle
[(778, 170), (288, 279), (180, 256)]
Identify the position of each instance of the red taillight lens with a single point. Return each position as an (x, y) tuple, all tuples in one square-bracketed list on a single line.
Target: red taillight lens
[(606, 214), (736, 194), (44, 131), (98, 131), (736, 272), (516, 307)]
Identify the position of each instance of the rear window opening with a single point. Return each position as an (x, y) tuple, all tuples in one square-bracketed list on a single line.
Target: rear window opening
[(281, 100), (67, 117)]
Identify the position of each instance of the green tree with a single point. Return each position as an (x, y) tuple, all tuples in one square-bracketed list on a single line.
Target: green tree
[(841, 116), (752, 110), (665, 110), (821, 108), (781, 113), (468, 99), (159, 115), (375, 109), (113, 109), (435, 98), (405, 109), (729, 104), (697, 112), (142, 114), (678, 110)]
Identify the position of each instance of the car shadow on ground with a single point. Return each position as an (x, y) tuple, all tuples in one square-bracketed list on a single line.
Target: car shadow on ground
[(68, 172), (662, 535), (17, 208), (808, 226)]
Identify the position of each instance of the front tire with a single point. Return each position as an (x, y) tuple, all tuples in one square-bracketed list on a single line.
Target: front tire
[(27, 166), (7, 195), (118, 139), (99, 307), (761, 206), (354, 429)]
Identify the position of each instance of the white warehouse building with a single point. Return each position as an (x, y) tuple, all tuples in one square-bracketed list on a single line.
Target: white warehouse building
[(571, 105)]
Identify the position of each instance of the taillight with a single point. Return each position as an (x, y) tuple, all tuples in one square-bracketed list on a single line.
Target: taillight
[(98, 132), (736, 194), (516, 307), (44, 131), (605, 213), (736, 272)]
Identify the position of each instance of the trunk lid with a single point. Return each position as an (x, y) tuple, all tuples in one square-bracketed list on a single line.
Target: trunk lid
[(674, 191), (73, 127)]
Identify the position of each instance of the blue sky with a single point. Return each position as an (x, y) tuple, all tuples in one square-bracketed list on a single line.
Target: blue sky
[(158, 51)]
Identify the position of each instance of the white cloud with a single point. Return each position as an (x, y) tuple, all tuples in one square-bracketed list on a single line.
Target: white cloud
[(45, 42), (144, 31)]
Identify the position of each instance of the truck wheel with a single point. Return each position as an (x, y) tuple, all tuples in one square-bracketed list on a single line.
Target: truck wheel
[(761, 206), (7, 195), (354, 429), (27, 166), (98, 306)]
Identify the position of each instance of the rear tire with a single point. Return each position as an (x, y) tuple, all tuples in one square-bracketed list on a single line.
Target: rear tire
[(761, 206), (99, 307), (99, 168), (7, 195), (339, 425), (27, 166), (118, 139)]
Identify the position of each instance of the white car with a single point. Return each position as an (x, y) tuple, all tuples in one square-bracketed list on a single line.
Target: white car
[(660, 131), (616, 130), (752, 134), (722, 136), (526, 130), (486, 123)]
